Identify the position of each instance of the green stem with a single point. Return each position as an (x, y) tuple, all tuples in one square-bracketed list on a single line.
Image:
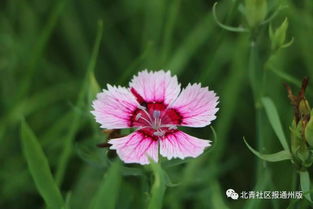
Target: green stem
[(255, 74), (158, 188), (257, 83)]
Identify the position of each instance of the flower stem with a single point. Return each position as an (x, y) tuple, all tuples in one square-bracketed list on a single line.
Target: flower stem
[(257, 82)]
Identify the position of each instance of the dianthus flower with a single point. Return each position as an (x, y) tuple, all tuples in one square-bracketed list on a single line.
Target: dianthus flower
[(155, 106)]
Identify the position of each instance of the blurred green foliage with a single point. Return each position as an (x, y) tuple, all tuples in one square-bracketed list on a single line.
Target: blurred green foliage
[(50, 70)]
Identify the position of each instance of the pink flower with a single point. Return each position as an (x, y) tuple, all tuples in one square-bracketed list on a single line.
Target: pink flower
[(155, 105)]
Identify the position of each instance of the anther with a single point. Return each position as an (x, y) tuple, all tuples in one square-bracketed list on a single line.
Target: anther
[(141, 107), (138, 116), (172, 127), (158, 133)]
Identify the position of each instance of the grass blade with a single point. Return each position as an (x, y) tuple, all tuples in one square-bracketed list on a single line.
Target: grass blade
[(273, 117), (67, 204), (217, 197), (39, 168), (107, 194)]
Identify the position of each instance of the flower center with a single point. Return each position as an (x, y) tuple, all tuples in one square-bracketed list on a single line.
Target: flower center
[(153, 120)]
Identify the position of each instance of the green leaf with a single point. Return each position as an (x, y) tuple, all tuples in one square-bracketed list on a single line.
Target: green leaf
[(168, 181), (275, 157), (287, 44), (275, 121), (217, 197), (39, 168), (226, 27), (305, 184), (274, 14), (158, 188), (67, 204), (94, 87), (280, 33), (285, 76), (107, 193)]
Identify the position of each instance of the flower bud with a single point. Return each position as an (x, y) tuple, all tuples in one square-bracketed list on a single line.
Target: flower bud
[(278, 37), (304, 107), (255, 11), (301, 128), (302, 156), (297, 142), (309, 130)]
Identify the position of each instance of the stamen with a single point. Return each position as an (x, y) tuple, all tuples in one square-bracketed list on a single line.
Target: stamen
[(145, 111), (169, 126), (145, 119), (172, 127), (142, 107), (138, 116), (142, 127), (159, 133)]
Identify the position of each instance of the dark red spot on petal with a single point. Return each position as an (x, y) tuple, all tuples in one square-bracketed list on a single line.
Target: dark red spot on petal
[(156, 106), (148, 132), (169, 132), (139, 98), (135, 122), (172, 116)]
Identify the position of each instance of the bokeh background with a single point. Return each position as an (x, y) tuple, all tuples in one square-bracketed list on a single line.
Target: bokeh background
[(49, 76)]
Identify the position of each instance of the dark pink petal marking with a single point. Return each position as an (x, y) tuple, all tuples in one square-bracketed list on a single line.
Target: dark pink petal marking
[(168, 116), (139, 98), (157, 86)]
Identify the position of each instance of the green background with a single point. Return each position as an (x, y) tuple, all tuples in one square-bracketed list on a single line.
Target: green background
[(49, 75)]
